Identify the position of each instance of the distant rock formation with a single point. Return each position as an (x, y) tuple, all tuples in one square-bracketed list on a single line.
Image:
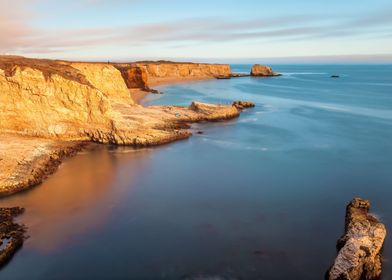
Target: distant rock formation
[(263, 71), (359, 255), (163, 72)]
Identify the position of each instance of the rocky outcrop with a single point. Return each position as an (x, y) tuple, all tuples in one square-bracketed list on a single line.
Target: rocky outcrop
[(262, 71), (359, 255), (11, 234)]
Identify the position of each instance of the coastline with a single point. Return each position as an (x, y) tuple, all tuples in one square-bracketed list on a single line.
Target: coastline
[(27, 161), (107, 110)]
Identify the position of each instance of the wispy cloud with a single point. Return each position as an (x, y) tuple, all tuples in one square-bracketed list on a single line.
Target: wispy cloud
[(19, 35)]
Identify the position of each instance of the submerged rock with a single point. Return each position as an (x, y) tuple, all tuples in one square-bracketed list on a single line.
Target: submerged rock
[(359, 255), (240, 105), (223, 77), (263, 71), (239, 75), (11, 234)]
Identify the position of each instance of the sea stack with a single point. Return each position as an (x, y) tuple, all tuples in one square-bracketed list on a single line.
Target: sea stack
[(359, 255), (263, 71)]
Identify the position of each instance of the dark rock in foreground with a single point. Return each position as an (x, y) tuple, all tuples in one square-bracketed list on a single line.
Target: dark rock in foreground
[(11, 234), (359, 255)]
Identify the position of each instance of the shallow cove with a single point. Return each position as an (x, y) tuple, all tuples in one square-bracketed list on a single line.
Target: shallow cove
[(260, 197)]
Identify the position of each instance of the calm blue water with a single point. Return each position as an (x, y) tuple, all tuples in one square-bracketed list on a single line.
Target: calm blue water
[(259, 197)]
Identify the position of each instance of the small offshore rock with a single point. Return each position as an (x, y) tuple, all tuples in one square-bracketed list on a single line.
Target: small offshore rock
[(263, 71), (360, 247), (240, 105), (154, 91)]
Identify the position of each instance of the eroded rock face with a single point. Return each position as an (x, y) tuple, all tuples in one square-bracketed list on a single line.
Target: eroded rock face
[(11, 234), (134, 76), (359, 255), (262, 71)]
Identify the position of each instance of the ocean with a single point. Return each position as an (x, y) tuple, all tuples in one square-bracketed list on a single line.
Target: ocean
[(259, 197)]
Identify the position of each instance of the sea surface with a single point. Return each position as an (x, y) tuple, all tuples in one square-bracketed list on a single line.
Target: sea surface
[(259, 197)]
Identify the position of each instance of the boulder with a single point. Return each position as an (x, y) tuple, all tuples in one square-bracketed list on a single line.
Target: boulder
[(359, 255)]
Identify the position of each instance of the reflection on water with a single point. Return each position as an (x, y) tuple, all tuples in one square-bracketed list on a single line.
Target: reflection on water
[(79, 198), (259, 197)]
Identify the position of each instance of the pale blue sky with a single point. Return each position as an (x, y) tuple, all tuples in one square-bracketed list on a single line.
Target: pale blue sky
[(194, 30)]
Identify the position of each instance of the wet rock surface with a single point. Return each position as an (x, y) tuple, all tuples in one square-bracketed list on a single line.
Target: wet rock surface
[(240, 105), (12, 234), (26, 161), (359, 255)]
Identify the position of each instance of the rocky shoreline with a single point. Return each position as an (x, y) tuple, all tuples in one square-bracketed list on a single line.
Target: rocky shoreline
[(12, 235), (27, 161)]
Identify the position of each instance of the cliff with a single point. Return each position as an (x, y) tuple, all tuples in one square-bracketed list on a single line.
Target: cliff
[(143, 75), (89, 101)]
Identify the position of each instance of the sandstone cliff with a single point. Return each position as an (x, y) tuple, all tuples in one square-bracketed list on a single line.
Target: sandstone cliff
[(161, 72), (41, 102)]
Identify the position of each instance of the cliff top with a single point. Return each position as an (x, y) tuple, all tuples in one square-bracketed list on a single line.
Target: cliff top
[(46, 66)]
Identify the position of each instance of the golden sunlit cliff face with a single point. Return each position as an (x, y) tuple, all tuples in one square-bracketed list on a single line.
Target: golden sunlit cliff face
[(33, 104), (91, 101)]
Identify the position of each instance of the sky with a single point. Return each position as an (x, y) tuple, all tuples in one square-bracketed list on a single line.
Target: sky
[(204, 30)]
